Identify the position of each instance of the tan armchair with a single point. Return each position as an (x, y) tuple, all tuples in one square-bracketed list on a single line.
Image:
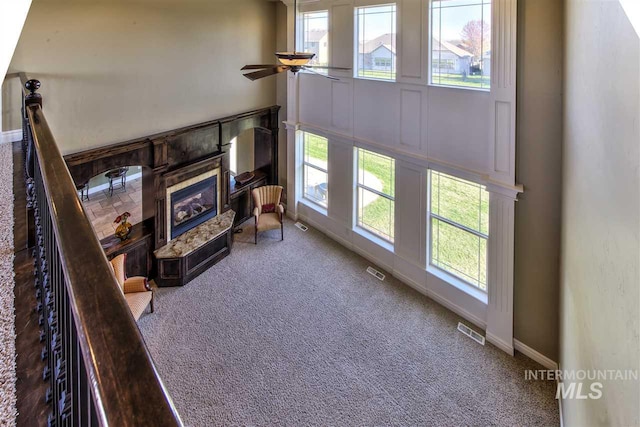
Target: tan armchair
[(136, 290), (268, 210)]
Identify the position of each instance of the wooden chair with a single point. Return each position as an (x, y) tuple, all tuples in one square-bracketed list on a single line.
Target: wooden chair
[(268, 211), (136, 289)]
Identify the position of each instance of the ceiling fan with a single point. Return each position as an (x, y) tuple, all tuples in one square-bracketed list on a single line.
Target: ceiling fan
[(293, 61)]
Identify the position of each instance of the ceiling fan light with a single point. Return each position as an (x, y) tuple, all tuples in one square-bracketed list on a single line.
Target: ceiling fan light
[(295, 59)]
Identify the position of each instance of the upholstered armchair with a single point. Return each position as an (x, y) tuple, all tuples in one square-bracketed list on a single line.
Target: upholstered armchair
[(136, 289), (268, 210)]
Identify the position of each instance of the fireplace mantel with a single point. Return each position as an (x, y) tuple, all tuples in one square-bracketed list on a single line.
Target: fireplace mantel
[(184, 174), (177, 155)]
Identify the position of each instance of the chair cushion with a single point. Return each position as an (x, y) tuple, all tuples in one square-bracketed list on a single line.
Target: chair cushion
[(138, 302), (268, 221), (268, 208)]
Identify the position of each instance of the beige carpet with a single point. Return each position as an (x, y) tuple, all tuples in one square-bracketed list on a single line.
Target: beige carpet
[(7, 315), (296, 333)]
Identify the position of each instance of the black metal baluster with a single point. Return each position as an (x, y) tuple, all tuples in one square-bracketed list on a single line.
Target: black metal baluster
[(80, 394)]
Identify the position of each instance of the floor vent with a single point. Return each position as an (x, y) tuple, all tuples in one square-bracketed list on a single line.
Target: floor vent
[(301, 226), (375, 273), (471, 333)]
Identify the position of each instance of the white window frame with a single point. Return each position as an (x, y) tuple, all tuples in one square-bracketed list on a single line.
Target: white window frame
[(358, 224), (306, 164), (304, 31), (451, 277), (356, 43), (430, 54)]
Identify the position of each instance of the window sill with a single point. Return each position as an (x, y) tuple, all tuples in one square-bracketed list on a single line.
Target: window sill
[(473, 89), (374, 79), (315, 206), (459, 284), (375, 239)]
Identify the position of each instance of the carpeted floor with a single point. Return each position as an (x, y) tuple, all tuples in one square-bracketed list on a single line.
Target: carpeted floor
[(7, 317), (296, 333)]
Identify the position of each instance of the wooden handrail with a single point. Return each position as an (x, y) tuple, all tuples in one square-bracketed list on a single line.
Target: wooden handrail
[(124, 384)]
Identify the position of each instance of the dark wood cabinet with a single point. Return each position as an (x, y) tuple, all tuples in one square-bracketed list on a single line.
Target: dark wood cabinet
[(240, 196), (137, 248)]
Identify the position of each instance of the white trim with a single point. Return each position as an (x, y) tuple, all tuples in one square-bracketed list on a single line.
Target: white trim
[(418, 159), (458, 283), (534, 355), (11, 136), (559, 401), (455, 308), (500, 343)]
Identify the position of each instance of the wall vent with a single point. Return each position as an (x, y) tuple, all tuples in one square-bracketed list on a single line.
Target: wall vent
[(375, 273), (471, 333), (301, 226)]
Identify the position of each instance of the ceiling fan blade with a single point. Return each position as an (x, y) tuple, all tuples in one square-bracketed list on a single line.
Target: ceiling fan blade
[(258, 67), (328, 68), (266, 73), (320, 74)]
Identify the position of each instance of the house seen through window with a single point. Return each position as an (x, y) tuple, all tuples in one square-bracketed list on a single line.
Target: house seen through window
[(376, 42), (315, 37), (459, 228), (461, 43), (376, 193), (314, 164)]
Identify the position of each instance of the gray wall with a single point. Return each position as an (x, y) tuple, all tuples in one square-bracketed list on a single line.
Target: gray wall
[(112, 70), (600, 298), (539, 168)]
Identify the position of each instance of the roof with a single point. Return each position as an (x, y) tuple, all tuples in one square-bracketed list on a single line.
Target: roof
[(442, 45), (314, 36), (386, 40)]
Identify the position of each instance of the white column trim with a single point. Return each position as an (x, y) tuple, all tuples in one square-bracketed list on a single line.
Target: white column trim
[(502, 130), (500, 271)]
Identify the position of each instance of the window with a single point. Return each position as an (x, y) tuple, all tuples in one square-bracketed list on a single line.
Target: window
[(383, 62), (315, 37), (459, 223), (376, 39), (461, 43), (314, 175), (375, 193)]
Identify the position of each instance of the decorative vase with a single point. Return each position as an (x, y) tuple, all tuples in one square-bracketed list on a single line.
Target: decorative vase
[(124, 227)]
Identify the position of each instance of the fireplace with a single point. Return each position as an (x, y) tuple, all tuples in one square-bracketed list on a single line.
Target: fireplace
[(192, 202)]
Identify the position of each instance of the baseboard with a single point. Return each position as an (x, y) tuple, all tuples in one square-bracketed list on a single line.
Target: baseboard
[(502, 345), (457, 310), (101, 187), (11, 136), (534, 355)]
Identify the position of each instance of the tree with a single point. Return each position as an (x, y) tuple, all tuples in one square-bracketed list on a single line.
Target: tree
[(476, 37)]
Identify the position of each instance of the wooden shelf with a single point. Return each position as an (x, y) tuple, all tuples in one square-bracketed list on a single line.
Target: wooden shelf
[(137, 247)]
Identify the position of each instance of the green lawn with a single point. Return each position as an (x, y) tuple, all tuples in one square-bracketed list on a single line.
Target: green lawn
[(457, 251), (479, 82), (476, 82), (383, 75), (454, 250), (315, 147)]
